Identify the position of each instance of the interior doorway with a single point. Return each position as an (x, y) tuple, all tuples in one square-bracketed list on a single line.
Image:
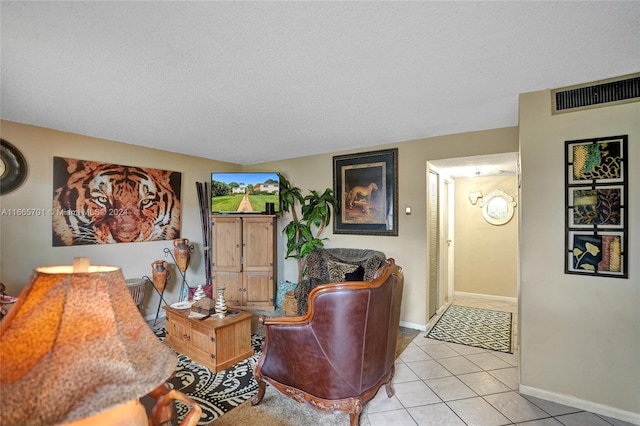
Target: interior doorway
[(441, 221)]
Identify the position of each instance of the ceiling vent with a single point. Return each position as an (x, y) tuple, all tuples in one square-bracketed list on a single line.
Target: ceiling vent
[(597, 94)]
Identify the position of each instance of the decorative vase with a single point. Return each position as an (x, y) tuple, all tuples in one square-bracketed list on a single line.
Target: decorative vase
[(159, 272), (289, 305), (221, 304), (181, 253), (199, 294)]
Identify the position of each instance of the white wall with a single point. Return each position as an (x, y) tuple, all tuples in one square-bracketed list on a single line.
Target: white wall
[(580, 336)]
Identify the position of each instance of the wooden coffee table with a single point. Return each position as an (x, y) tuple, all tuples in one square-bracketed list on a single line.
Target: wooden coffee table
[(216, 343)]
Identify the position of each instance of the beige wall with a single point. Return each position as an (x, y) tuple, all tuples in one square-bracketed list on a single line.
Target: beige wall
[(26, 241), (580, 338), (579, 335), (315, 172), (486, 256), (409, 248)]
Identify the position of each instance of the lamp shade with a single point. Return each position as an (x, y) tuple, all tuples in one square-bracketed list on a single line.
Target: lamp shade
[(75, 345)]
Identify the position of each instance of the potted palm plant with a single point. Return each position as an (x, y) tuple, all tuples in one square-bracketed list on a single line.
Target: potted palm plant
[(306, 227)]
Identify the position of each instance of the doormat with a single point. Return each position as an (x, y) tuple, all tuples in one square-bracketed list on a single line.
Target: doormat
[(480, 328), (217, 393)]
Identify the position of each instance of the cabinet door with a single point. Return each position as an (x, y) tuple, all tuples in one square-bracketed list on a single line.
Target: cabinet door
[(232, 281), (178, 332), (258, 242), (203, 344), (259, 287), (227, 244)]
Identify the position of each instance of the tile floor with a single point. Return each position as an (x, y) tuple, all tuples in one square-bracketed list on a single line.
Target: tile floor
[(438, 383)]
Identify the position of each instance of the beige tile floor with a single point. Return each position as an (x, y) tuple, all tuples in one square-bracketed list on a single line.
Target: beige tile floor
[(446, 384)]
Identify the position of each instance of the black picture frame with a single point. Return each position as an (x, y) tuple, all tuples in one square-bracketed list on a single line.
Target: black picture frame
[(366, 186), (596, 207)]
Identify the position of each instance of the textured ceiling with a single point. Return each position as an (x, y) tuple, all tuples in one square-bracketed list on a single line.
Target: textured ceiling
[(249, 82)]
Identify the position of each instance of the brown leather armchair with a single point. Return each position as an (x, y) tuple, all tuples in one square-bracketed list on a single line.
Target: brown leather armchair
[(340, 353)]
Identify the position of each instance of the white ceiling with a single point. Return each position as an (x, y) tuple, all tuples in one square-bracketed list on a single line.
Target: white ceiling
[(249, 82)]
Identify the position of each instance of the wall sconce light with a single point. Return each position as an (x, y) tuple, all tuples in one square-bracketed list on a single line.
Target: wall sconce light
[(473, 197), (75, 350)]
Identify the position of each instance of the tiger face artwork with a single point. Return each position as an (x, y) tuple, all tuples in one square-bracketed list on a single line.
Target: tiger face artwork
[(100, 203)]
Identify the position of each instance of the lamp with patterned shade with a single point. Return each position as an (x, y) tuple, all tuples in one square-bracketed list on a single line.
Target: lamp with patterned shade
[(75, 347)]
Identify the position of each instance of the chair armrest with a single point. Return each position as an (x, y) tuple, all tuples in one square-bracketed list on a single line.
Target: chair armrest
[(267, 321)]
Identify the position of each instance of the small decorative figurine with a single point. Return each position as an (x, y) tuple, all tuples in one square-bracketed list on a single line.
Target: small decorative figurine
[(221, 304), (199, 294)]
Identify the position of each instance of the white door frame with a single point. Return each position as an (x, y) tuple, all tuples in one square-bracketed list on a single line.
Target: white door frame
[(445, 261), (447, 241)]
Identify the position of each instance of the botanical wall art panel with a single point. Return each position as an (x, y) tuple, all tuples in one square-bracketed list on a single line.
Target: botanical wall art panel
[(102, 203), (596, 206)]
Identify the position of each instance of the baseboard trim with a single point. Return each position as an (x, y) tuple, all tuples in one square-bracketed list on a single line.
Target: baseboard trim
[(413, 326), (572, 401), (487, 296), (152, 317)]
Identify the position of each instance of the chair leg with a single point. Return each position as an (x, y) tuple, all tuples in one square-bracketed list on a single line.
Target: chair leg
[(389, 388), (389, 385), (262, 387), (354, 416)]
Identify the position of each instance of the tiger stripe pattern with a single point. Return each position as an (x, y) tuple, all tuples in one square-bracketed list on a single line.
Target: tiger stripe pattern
[(106, 203)]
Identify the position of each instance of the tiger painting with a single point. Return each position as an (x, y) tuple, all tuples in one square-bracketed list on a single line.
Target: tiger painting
[(99, 203)]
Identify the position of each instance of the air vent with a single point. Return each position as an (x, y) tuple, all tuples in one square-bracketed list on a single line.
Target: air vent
[(597, 94)]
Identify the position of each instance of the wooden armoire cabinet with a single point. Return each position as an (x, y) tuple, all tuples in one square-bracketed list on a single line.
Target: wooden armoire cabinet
[(243, 260)]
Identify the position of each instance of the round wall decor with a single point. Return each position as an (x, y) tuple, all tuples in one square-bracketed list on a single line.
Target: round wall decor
[(497, 207), (13, 167)]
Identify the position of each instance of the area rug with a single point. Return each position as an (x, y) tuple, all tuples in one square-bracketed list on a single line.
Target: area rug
[(217, 393), (276, 409), (480, 328)]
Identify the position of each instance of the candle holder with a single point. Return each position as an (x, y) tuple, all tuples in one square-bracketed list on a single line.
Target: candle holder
[(221, 303)]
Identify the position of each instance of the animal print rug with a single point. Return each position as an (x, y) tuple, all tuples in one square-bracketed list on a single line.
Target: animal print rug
[(217, 393)]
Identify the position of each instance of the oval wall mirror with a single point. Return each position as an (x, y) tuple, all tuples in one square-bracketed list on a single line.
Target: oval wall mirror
[(497, 207)]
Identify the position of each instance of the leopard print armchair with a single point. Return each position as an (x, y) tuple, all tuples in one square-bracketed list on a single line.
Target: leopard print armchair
[(336, 265)]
